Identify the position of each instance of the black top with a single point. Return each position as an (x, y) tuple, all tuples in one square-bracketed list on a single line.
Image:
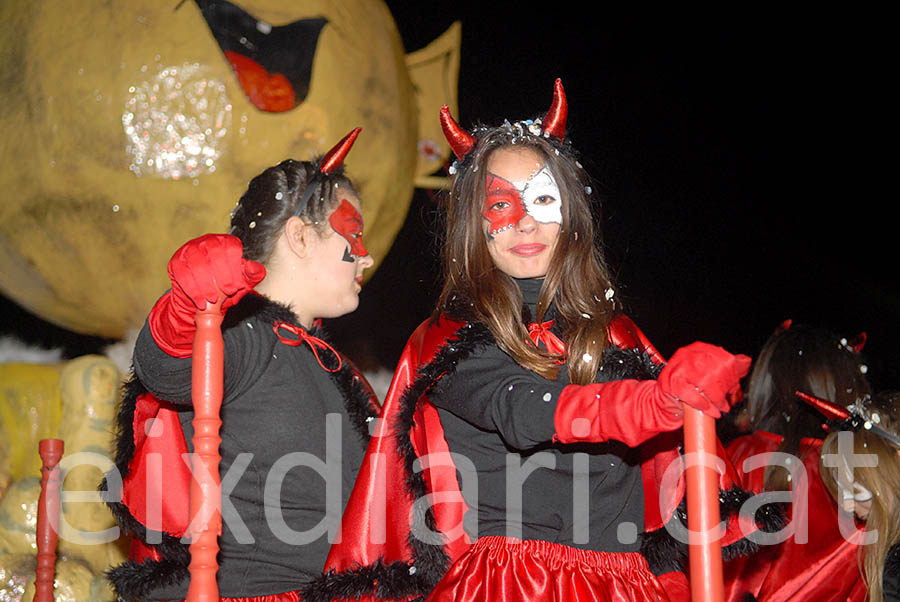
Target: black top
[(499, 417), (284, 428), (891, 575)]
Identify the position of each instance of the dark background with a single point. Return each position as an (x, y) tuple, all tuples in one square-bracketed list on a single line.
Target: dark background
[(741, 162)]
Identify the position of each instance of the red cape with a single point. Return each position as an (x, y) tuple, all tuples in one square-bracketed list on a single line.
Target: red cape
[(825, 569)]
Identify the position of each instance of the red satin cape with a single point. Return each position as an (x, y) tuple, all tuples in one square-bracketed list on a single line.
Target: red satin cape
[(824, 569)]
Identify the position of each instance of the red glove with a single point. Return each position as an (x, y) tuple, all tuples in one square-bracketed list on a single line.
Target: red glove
[(705, 377), (633, 411), (202, 271)]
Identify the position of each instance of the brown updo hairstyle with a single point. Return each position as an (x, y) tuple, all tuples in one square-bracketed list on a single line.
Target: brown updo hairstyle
[(577, 279), (274, 195), (800, 358)]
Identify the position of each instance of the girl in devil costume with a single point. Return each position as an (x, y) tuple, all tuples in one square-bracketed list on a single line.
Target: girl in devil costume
[(871, 492), (520, 447), (816, 562), (294, 411)]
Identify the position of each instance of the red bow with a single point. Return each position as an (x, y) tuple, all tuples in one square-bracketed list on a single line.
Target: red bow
[(315, 343), (541, 333)]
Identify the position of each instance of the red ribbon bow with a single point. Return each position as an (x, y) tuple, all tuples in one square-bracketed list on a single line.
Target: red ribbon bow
[(315, 343), (541, 333)]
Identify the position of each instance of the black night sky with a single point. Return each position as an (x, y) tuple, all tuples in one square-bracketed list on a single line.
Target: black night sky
[(741, 162)]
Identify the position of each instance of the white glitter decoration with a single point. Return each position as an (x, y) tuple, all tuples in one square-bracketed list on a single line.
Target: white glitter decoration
[(279, 196), (547, 397), (252, 225), (176, 122), (587, 357), (610, 293)]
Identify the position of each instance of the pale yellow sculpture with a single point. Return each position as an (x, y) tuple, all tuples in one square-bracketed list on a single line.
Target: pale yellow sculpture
[(126, 132), (74, 401)]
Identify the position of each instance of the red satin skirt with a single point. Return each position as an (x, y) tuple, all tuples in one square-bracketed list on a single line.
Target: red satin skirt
[(508, 569), (285, 597)]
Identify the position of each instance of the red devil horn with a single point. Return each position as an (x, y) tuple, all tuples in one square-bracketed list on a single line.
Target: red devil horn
[(858, 342), (461, 141), (334, 158), (555, 121), (827, 408)]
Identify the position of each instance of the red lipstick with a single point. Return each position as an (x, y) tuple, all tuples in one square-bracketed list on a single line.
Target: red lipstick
[(527, 249)]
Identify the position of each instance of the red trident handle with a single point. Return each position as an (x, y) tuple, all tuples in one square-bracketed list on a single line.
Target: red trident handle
[(206, 489), (51, 451), (705, 551)]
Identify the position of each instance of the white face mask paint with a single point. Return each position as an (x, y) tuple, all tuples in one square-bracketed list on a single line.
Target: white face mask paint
[(541, 196), (850, 489)]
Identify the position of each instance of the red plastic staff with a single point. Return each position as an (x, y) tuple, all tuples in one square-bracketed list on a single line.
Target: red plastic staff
[(206, 489), (51, 451), (705, 550)]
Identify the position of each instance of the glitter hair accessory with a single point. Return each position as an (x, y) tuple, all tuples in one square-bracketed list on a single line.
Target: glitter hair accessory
[(330, 162), (851, 418), (553, 125)]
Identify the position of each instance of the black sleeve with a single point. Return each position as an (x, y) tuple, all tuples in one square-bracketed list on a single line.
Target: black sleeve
[(891, 575), (165, 376), (248, 347), (492, 392)]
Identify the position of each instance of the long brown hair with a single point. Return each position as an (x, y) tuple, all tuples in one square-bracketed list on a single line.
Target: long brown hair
[(883, 480), (576, 281), (811, 360)]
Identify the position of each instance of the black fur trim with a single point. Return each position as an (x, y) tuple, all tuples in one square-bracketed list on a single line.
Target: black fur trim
[(430, 558), (664, 553), (133, 581), (360, 400), (621, 364), (381, 581)]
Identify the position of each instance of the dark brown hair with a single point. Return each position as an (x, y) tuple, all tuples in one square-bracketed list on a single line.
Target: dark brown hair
[(577, 279), (811, 360), (274, 195)]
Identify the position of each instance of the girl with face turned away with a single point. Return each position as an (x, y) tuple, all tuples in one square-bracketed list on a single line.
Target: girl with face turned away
[(294, 410), (529, 421), (786, 438), (871, 492)]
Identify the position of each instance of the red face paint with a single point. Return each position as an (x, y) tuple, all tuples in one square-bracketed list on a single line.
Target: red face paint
[(347, 222), (503, 204)]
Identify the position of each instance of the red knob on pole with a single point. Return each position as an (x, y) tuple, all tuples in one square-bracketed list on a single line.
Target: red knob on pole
[(206, 489), (703, 509), (51, 451)]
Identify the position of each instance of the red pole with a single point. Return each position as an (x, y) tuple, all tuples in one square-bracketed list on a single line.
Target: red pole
[(703, 509), (51, 451), (206, 489)]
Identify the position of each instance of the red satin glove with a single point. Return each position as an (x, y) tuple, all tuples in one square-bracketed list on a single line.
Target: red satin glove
[(633, 411), (202, 271), (705, 377)]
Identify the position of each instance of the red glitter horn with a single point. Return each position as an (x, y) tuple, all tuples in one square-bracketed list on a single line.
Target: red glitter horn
[(827, 408), (555, 121), (334, 158), (461, 141)]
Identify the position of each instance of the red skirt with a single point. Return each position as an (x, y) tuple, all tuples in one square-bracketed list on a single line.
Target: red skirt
[(508, 569)]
